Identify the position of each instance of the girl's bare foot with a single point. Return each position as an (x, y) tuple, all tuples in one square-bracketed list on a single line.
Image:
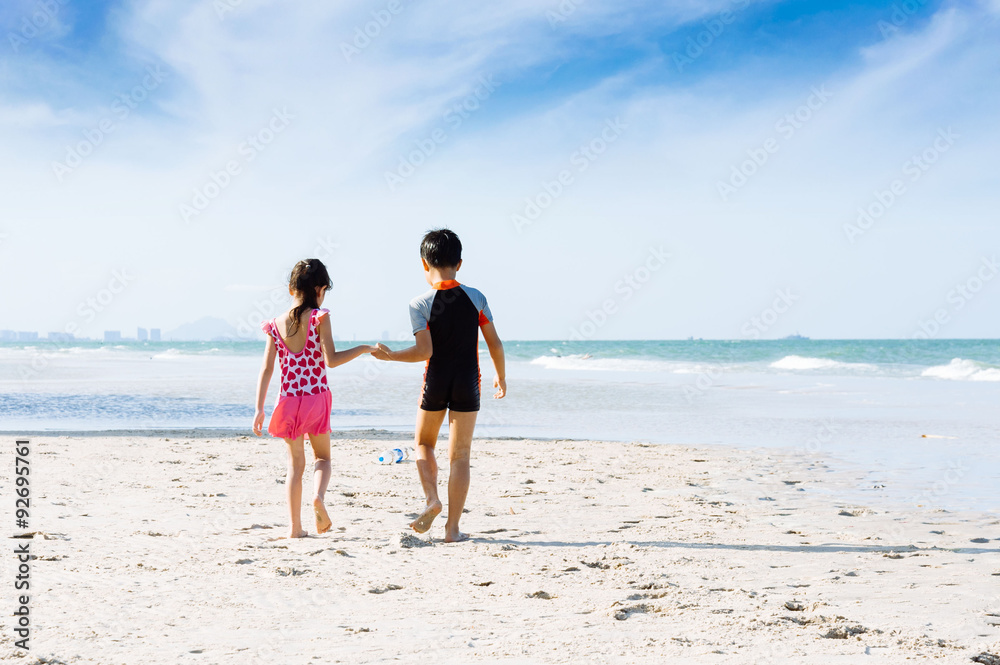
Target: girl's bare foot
[(323, 523), (301, 533), (423, 523), (457, 537)]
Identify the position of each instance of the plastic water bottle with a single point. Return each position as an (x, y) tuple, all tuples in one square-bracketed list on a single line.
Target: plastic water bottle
[(390, 456)]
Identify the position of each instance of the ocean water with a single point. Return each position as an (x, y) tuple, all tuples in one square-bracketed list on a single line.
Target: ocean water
[(916, 419)]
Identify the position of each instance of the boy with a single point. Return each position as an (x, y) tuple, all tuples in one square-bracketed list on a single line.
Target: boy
[(446, 322)]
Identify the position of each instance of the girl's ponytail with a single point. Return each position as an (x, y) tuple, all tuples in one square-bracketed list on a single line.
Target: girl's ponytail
[(306, 276)]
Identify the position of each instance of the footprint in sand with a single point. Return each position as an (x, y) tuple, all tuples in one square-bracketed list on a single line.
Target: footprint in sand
[(408, 541), (623, 613), (256, 526), (596, 564), (856, 511), (540, 594), (844, 632), (286, 571)]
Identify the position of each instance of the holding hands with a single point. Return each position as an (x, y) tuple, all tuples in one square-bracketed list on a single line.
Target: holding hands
[(381, 351)]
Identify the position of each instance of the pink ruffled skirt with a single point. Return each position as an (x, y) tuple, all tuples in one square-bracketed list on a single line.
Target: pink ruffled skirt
[(296, 415)]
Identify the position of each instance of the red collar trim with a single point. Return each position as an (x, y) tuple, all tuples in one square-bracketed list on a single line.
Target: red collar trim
[(445, 285)]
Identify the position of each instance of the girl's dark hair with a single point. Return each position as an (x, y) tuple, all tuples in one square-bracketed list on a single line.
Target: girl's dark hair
[(305, 277), (441, 248)]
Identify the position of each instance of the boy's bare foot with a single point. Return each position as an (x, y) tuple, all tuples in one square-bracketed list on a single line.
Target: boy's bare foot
[(423, 523), (457, 537), (323, 523), (301, 533)]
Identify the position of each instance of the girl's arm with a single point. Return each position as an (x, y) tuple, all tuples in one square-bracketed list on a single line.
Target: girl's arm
[(496, 353), (263, 381), (418, 353), (333, 357)]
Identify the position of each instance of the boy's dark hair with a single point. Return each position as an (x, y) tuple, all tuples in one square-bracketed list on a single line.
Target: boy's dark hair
[(441, 248)]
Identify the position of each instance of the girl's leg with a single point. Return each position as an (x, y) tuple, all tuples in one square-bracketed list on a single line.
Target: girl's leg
[(293, 485), (321, 479)]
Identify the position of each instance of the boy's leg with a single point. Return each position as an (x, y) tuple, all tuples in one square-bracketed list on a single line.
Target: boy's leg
[(321, 479), (461, 427), (428, 426), (293, 485)]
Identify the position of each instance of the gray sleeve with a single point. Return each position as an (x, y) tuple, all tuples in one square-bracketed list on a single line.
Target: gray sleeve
[(479, 300), (420, 311)]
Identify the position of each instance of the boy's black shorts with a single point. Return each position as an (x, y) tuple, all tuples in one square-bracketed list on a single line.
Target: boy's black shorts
[(458, 390)]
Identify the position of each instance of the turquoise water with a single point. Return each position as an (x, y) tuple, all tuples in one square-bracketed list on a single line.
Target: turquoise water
[(904, 413), (883, 352)]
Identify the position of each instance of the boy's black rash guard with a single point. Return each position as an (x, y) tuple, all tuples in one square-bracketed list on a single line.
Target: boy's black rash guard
[(453, 313)]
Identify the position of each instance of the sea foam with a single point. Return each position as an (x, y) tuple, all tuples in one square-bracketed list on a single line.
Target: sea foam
[(961, 369), (805, 363)]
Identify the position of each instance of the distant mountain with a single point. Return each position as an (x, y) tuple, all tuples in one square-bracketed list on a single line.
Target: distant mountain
[(209, 329)]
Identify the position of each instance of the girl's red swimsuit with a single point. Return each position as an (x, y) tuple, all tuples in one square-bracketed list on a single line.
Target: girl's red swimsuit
[(305, 401)]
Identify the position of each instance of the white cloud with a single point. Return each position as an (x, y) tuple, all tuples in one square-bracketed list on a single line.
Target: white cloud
[(323, 176)]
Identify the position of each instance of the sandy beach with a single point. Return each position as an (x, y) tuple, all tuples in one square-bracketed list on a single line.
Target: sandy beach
[(157, 547)]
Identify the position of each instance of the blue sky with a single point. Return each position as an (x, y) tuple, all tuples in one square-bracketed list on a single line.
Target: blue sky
[(831, 101)]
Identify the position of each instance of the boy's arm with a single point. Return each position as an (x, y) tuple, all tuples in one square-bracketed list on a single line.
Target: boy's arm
[(331, 356), (418, 353), (499, 362), (263, 381)]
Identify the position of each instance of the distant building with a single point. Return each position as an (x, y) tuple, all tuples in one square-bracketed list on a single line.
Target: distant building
[(154, 334), (23, 336), (61, 337), (142, 334), (8, 336), (112, 336)]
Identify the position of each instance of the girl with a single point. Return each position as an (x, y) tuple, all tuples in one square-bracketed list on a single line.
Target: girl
[(303, 340)]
